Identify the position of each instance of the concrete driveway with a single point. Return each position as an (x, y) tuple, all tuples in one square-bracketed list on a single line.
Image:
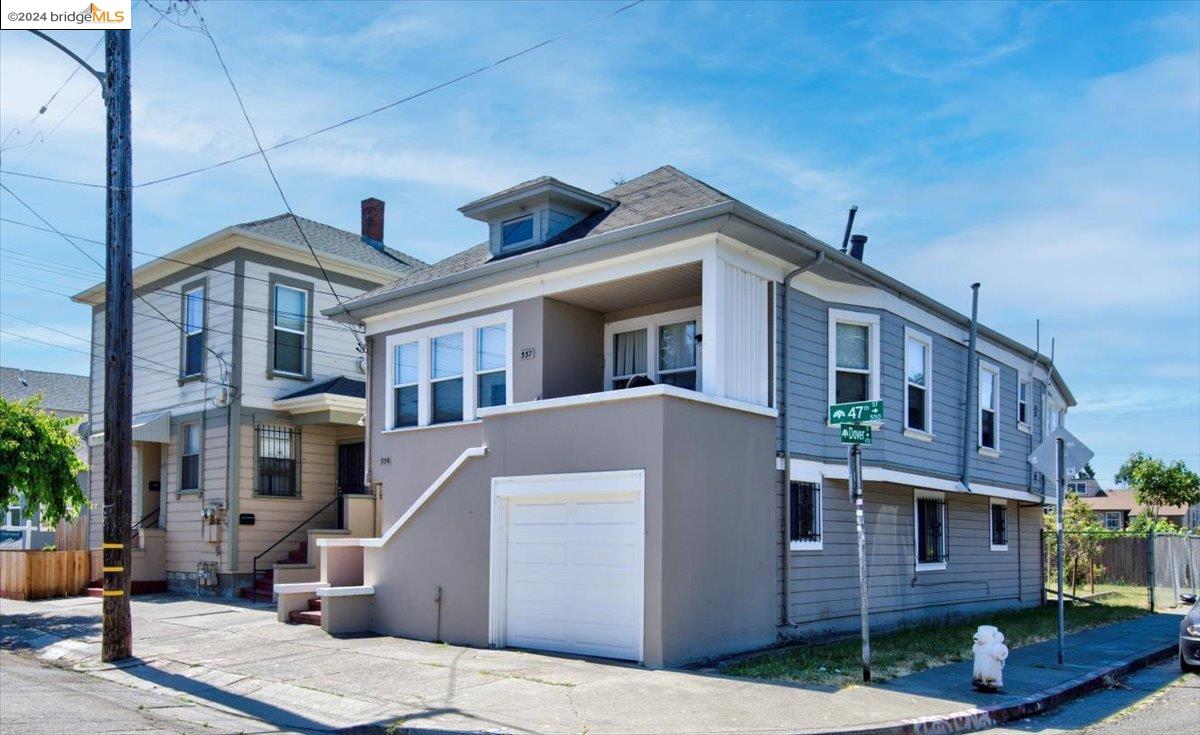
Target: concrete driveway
[(238, 658)]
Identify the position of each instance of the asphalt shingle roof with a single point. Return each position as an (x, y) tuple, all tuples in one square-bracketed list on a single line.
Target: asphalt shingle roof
[(60, 391), (340, 385), (327, 239), (661, 193)]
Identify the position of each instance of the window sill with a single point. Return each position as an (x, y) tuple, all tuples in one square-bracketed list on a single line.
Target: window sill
[(182, 379), (405, 429), (999, 547), (261, 496), (807, 545), (923, 436), (277, 375), (1023, 427), (936, 566), (195, 491), (989, 452)]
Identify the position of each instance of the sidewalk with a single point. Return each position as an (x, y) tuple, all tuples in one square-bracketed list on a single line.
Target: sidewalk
[(239, 660)]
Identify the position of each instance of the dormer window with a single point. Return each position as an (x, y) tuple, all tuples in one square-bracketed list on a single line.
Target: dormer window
[(516, 232), (529, 215)]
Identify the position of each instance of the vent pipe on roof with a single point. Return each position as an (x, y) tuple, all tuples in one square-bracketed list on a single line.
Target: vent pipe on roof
[(372, 221), (857, 243), (849, 227)]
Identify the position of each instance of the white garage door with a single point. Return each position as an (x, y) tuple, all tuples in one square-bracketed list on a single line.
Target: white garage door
[(573, 573)]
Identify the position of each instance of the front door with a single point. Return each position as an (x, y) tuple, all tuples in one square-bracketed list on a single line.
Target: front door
[(351, 468)]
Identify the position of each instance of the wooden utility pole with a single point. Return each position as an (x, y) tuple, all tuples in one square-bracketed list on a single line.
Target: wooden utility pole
[(118, 351)]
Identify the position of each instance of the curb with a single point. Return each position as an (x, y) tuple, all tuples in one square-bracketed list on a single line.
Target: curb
[(978, 718)]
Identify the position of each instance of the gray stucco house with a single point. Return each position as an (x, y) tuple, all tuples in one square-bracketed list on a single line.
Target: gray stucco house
[(575, 430)]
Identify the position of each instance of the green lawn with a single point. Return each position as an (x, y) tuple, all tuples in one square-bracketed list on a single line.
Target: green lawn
[(904, 651)]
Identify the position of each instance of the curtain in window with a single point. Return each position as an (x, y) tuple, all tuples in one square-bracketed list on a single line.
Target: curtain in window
[(189, 469), (853, 361), (290, 315), (629, 356)]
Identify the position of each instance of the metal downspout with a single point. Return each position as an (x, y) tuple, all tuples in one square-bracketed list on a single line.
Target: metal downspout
[(785, 444), (972, 375)]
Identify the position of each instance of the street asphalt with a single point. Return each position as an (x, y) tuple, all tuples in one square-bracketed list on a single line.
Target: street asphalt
[(1154, 701)]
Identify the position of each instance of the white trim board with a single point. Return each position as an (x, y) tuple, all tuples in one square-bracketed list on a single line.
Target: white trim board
[(813, 471), (577, 484), (626, 395)]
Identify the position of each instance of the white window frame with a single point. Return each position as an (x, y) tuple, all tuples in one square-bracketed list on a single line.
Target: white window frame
[(651, 323), (925, 340), (860, 318), (423, 337), (183, 431), (1023, 384), (819, 544), (1112, 514), (992, 504), (303, 331), (187, 333), (397, 385), (1052, 407), (922, 494), (994, 370), (533, 230), (504, 369)]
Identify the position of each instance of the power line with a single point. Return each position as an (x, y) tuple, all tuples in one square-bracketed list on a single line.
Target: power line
[(171, 369), (46, 105), (86, 254), (154, 257), (349, 120)]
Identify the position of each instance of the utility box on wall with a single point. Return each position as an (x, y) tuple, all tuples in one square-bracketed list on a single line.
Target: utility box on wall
[(212, 520)]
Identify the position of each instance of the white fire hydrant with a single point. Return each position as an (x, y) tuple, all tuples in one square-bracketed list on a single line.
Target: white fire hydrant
[(990, 653)]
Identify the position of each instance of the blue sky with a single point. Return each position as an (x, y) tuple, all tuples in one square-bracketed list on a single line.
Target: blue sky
[(1051, 151)]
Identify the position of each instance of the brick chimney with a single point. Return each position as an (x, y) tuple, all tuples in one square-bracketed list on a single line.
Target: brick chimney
[(372, 219)]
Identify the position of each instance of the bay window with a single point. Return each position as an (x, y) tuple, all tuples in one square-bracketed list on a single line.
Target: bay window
[(446, 379), (853, 356), (918, 397), (659, 348), (446, 373), (989, 400)]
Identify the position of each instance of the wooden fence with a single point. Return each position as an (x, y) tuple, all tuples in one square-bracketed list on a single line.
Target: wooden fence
[(37, 575)]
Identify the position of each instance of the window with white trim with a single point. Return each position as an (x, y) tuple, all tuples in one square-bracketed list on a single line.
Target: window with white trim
[(1112, 520), (1077, 487), (804, 523), (405, 385), (516, 232), (999, 524), (446, 378), (929, 521), (660, 348), (853, 356), (1023, 404), (918, 391), (189, 456), (193, 332), (289, 330), (989, 407), (491, 365), (446, 373)]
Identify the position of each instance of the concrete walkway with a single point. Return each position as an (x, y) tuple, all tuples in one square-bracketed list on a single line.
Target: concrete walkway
[(240, 660)]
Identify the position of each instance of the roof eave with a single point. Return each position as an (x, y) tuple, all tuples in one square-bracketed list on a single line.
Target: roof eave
[(478, 208)]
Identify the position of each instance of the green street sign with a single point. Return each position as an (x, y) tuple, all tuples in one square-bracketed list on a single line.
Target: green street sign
[(855, 434), (859, 412)]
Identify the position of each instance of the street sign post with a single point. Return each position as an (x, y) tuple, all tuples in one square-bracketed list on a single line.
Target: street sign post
[(858, 412), (1062, 454), (855, 434), (851, 420)]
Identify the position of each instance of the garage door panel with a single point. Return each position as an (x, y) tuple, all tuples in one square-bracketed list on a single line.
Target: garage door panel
[(573, 574)]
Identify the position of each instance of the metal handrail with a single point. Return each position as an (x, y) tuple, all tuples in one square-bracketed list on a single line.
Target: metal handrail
[(141, 524), (284, 537)]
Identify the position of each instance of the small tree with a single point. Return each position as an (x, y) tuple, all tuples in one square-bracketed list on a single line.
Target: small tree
[(1156, 483), (1082, 542), (38, 462)]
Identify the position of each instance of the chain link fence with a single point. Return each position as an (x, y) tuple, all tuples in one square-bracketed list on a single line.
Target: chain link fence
[(1120, 568)]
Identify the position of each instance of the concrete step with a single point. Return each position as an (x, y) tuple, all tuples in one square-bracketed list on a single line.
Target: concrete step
[(305, 617)]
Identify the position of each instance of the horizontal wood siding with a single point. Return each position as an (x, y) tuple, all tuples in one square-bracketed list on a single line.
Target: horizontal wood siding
[(824, 583), (335, 351), (274, 517), (807, 380), (186, 544)]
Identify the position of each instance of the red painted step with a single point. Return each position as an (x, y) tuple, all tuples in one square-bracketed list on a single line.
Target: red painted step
[(305, 617)]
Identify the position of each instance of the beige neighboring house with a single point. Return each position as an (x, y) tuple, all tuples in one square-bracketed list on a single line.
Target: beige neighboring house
[(66, 396), (1116, 510), (576, 429), (247, 402)]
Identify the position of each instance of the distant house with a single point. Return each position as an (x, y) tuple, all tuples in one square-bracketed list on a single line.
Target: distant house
[(1116, 510), (63, 395), (1084, 487)]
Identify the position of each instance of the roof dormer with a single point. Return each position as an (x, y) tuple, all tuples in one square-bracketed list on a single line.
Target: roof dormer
[(527, 215)]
